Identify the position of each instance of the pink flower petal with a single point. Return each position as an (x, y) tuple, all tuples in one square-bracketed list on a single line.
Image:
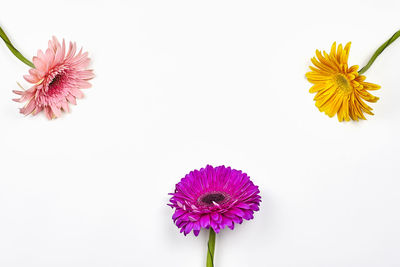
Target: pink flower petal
[(57, 79)]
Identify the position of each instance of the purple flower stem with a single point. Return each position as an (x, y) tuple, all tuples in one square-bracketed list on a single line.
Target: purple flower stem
[(211, 248)]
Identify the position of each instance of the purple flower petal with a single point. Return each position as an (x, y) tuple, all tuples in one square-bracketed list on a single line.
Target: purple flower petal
[(188, 228), (205, 221), (214, 197)]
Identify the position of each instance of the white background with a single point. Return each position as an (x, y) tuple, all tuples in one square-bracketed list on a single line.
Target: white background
[(182, 84)]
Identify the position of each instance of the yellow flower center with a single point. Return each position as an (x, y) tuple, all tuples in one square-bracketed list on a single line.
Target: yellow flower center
[(343, 83)]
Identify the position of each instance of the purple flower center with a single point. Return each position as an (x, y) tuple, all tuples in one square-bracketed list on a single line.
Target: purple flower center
[(210, 198)]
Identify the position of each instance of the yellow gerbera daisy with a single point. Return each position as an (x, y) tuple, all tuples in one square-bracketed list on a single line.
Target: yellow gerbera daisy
[(340, 89)]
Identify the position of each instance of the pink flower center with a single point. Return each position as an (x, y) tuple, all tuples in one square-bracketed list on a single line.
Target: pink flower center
[(55, 81), (211, 197), (57, 84)]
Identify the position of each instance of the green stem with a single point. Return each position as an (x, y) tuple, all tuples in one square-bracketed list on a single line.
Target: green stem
[(379, 51), (14, 50), (211, 249)]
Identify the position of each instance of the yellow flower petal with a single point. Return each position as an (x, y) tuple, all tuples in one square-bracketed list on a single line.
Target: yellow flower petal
[(339, 89)]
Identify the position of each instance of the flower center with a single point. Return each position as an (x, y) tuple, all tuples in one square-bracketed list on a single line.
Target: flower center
[(55, 82), (210, 198), (343, 83)]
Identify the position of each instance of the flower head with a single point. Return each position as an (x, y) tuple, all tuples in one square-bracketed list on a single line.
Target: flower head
[(214, 197), (340, 89), (57, 79)]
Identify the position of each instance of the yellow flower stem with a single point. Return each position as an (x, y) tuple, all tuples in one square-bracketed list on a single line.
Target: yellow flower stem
[(211, 249), (14, 50), (379, 51)]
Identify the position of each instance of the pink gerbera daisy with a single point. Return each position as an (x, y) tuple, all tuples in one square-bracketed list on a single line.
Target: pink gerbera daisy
[(214, 198), (57, 79)]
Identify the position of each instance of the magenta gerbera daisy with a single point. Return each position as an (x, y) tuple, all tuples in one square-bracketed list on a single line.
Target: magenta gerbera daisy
[(57, 77), (214, 198)]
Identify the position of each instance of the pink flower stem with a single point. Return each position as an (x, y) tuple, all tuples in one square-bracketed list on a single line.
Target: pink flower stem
[(14, 50), (211, 248)]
